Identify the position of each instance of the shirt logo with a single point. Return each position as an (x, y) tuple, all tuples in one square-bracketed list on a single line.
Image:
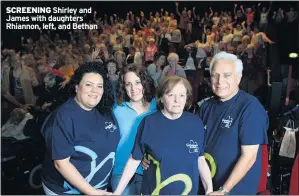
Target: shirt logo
[(226, 122), (110, 126), (193, 146)]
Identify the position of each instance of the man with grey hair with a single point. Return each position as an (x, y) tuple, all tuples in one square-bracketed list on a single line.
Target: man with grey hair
[(235, 128)]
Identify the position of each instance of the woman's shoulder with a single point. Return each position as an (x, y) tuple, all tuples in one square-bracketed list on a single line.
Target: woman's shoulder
[(152, 117), (119, 107), (151, 66), (66, 109)]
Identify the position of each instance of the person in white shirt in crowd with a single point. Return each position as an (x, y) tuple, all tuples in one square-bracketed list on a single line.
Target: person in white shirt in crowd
[(264, 17), (173, 68)]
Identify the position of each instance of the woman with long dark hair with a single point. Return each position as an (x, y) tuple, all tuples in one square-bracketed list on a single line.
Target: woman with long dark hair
[(81, 136)]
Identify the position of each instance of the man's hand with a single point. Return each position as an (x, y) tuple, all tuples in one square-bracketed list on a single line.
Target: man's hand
[(177, 4), (236, 5), (145, 163)]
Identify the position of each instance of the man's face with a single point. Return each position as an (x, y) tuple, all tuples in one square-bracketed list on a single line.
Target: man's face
[(225, 80)]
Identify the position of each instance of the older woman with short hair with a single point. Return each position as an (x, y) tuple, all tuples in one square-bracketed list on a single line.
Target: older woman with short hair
[(170, 130), (173, 68)]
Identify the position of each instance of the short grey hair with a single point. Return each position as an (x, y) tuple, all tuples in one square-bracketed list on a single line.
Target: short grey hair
[(229, 57), (173, 55)]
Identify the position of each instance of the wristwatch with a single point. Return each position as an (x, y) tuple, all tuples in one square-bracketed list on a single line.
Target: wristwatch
[(222, 190)]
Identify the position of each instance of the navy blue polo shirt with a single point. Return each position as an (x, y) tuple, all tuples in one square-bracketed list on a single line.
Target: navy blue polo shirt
[(173, 148), (242, 120), (87, 137)]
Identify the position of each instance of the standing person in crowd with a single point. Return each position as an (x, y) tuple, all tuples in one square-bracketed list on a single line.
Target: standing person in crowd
[(291, 15), (120, 58), (264, 17), (184, 20), (155, 69), (173, 68), (81, 136), (278, 16), (135, 98), (131, 55), (113, 73), (19, 80), (239, 14), (164, 40), (170, 126), (238, 33), (197, 27), (237, 123), (150, 50)]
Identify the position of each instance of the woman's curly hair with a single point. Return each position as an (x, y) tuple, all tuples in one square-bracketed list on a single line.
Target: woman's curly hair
[(107, 101), (146, 81)]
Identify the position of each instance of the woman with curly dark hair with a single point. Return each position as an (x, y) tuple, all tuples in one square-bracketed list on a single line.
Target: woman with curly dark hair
[(81, 136), (135, 100)]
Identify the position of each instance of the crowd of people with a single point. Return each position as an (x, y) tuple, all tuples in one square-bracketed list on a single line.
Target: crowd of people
[(116, 96)]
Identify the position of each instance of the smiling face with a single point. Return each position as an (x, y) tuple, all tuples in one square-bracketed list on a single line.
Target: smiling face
[(133, 86), (175, 100), (225, 80), (89, 91)]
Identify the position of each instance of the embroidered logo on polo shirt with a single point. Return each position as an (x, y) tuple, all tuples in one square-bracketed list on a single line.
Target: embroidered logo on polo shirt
[(193, 146), (226, 122), (110, 126)]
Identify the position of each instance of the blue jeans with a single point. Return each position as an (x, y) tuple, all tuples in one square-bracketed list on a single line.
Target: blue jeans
[(134, 186)]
